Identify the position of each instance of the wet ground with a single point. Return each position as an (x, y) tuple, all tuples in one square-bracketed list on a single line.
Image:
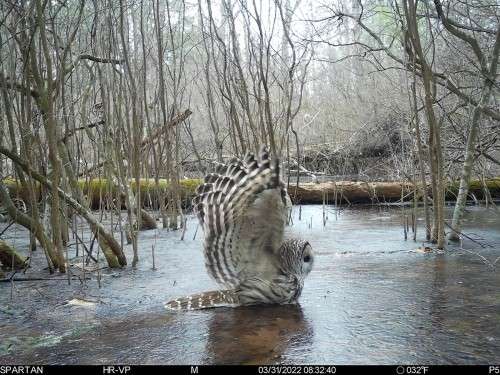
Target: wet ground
[(371, 298)]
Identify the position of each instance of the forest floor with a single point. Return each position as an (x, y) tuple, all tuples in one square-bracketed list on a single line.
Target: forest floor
[(372, 297)]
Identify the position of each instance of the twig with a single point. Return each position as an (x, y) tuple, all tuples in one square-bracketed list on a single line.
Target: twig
[(183, 230), (196, 231), (468, 237), (153, 255), (7, 227)]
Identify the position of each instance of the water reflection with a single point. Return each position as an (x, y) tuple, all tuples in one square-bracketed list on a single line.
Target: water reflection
[(260, 334), (438, 297)]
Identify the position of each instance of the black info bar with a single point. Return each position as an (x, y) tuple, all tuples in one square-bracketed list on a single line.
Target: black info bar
[(252, 369)]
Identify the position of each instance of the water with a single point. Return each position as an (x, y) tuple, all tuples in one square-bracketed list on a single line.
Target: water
[(371, 298)]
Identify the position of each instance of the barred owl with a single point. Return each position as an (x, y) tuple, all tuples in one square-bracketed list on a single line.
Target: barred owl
[(242, 209)]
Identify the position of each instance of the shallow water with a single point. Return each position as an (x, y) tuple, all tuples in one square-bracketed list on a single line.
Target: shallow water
[(371, 298)]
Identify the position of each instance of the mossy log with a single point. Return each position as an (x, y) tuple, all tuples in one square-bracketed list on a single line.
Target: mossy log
[(9, 257), (16, 190), (100, 193), (377, 192)]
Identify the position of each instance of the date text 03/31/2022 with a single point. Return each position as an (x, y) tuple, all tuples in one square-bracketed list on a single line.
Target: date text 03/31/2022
[(297, 370)]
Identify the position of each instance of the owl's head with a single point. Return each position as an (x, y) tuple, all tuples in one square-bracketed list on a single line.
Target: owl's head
[(298, 257), (307, 257)]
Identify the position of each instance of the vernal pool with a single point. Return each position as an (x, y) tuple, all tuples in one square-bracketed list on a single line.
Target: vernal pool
[(372, 298)]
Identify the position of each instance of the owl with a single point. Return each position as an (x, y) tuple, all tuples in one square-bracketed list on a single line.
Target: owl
[(242, 209)]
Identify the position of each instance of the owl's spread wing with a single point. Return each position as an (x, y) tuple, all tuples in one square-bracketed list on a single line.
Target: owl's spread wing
[(242, 211)]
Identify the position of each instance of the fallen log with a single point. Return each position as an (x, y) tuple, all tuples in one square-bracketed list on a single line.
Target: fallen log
[(99, 192), (377, 192), (349, 192), (102, 194)]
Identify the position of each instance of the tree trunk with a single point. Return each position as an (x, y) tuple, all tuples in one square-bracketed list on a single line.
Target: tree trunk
[(96, 227), (10, 258), (421, 165), (33, 225), (470, 147)]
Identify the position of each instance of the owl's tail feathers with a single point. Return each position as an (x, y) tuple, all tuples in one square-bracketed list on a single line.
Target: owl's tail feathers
[(207, 300)]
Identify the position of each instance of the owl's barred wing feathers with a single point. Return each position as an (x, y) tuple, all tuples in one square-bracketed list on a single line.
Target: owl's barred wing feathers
[(241, 208)]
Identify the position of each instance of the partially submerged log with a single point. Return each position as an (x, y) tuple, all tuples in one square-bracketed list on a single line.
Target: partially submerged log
[(10, 258), (376, 192), (349, 192), (99, 192)]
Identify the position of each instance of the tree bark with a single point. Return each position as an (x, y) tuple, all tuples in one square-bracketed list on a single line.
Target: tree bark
[(435, 150), (470, 148), (32, 225), (10, 258)]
